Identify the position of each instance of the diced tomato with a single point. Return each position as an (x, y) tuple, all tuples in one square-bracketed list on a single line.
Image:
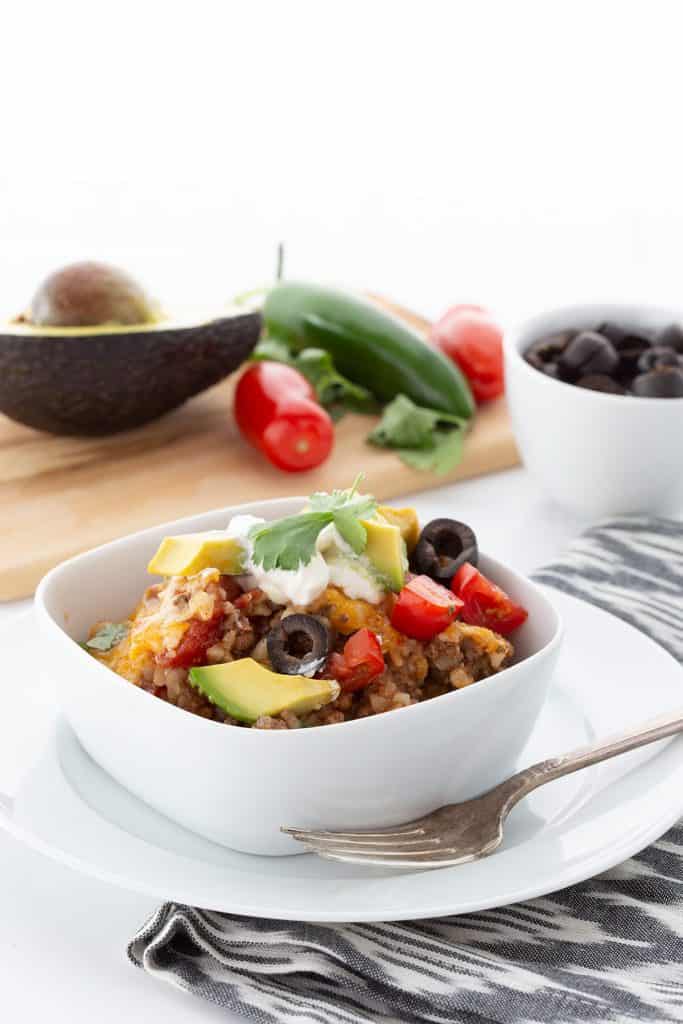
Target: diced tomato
[(473, 340), (191, 651), (463, 576), (424, 608), (248, 598), (231, 587), (361, 662), (485, 604)]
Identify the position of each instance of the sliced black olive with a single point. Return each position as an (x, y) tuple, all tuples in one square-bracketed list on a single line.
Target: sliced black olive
[(658, 356), (671, 337), (298, 645), (601, 382), (443, 546), (587, 353), (666, 382)]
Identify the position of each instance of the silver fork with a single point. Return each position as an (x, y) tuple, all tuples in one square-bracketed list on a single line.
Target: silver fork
[(474, 828)]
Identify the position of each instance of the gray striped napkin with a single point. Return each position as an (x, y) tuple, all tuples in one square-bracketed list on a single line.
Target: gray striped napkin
[(609, 949)]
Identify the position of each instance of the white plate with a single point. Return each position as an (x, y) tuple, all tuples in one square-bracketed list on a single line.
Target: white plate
[(609, 677)]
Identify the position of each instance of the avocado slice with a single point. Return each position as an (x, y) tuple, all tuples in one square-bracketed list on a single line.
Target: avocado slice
[(191, 552), (406, 520), (59, 374), (386, 551), (247, 690)]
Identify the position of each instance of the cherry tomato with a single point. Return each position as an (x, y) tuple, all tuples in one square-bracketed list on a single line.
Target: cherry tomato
[(276, 411), (191, 651), (361, 662), (468, 336), (485, 604), (424, 608)]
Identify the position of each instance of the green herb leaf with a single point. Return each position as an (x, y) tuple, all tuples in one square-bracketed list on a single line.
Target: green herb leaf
[(423, 438), (442, 457), (406, 425), (335, 392), (290, 542), (108, 636), (272, 349), (351, 529)]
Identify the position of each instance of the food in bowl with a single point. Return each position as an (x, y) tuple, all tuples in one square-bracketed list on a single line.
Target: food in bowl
[(341, 611), (615, 358), (374, 771)]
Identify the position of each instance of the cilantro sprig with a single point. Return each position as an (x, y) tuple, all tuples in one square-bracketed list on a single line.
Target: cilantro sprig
[(423, 438), (107, 636), (290, 542), (335, 392)]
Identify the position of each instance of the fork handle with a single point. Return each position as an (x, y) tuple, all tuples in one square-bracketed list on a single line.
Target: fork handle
[(555, 767)]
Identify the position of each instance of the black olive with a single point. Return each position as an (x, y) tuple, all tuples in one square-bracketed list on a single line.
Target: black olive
[(666, 382), (629, 358), (546, 350), (587, 353), (298, 645), (601, 382), (671, 337), (658, 356), (444, 545), (613, 332), (624, 338), (551, 370)]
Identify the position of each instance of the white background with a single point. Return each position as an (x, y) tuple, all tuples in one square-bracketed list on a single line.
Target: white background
[(509, 153), (515, 154)]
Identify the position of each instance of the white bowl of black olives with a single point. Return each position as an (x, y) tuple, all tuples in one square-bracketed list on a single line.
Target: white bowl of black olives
[(596, 397)]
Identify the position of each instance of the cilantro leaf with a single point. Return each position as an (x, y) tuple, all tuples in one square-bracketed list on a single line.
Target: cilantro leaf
[(107, 636), (333, 391), (351, 529), (442, 457), (290, 542), (273, 350), (406, 425), (423, 438)]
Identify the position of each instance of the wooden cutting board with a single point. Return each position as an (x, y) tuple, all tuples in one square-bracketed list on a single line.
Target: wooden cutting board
[(61, 495)]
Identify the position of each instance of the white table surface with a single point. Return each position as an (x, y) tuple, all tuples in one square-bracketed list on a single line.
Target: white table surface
[(63, 936)]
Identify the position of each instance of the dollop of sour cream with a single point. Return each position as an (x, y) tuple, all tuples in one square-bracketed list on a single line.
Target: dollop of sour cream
[(333, 564)]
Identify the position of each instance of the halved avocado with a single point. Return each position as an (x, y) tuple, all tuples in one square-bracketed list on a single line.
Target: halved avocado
[(247, 690), (94, 380)]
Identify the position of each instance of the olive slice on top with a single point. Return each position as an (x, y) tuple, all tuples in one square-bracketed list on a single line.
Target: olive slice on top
[(444, 545), (298, 645)]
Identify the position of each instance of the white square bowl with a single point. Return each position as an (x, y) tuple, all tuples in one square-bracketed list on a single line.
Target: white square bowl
[(237, 786)]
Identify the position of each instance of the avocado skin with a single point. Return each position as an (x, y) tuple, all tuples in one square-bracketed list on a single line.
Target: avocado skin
[(100, 383)]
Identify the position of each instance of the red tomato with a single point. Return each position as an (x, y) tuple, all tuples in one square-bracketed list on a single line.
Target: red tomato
[(468, 336), (276, 411), (361, 662), (485, 604), (424, 608), (197, 639)]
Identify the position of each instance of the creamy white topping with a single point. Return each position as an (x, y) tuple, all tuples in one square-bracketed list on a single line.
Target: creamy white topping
[(303, 585)]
